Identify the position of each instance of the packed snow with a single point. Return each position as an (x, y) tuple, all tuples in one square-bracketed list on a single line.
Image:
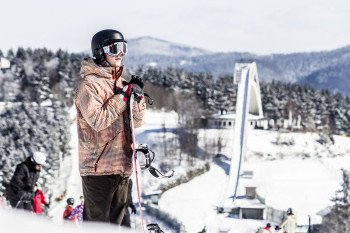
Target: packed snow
[(289, 170)]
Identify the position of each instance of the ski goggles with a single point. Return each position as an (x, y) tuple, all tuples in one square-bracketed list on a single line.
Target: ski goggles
[(116, 48)]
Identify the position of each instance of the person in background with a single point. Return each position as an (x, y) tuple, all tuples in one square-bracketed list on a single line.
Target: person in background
[(290, 223), (78, 211), (39, 200), (67, 214), (20, 192), (2, 200), (267, 228)]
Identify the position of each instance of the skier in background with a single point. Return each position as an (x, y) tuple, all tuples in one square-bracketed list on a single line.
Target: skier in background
[(78, 211), (2, 200), (129, 203), (67, 214), (290, 223), (267, 228), (39, 200), (104, 131), (20, 192)]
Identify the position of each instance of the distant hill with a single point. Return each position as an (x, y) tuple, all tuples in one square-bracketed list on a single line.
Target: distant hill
[(335, 78), (325, 69), (153, 46)]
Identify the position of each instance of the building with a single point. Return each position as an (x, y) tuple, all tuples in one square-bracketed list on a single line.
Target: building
[(4, 64), (226, 120)]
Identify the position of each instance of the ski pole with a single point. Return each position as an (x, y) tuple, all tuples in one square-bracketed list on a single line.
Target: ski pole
[(131, 103), (19, 201)]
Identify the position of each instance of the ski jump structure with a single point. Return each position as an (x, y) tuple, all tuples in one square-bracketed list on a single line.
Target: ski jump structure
[(248, 102)]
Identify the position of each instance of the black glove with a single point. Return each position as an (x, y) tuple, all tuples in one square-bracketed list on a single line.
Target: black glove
[(277, 228), (133, 89), (137, 80), (138, 92), (133, 208), (47, 205)]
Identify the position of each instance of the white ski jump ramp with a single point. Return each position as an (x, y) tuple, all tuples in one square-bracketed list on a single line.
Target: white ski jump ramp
[(248, 102)]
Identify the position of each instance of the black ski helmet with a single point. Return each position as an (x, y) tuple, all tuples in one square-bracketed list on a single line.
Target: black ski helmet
[(289, 211), (70, 201), (104, 38)]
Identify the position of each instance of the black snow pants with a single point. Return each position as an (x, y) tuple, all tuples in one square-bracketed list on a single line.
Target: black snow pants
[(25, 205), (105, 198)]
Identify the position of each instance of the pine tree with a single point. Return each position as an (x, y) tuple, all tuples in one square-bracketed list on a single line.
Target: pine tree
[(338, 220)]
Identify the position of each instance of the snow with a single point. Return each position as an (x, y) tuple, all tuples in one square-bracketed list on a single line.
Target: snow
[(70, 179), (304, 185), (16, 221), (152, 64), (303, 175)]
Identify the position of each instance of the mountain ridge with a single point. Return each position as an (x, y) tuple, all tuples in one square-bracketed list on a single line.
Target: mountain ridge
[(299, 67)]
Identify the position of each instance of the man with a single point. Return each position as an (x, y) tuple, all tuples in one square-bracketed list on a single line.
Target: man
[(290, 223), (21, 189), (104, 131)]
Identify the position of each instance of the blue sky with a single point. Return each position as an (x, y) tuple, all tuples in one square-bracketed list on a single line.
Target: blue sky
[(258, 26)]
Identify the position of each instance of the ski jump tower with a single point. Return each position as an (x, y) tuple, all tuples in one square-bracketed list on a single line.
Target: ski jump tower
[(248, 103)]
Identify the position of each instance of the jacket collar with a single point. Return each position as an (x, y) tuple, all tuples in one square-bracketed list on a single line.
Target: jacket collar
[(89, 67)]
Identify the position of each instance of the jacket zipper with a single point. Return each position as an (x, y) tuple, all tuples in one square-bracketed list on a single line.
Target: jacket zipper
[(98, 158)]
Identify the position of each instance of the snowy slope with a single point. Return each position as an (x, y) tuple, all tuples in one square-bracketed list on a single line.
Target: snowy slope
[(194, 204), (70, 179), (303, 176), (12, 221), (285, 177)]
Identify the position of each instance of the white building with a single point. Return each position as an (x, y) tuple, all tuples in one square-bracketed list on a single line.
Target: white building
[(226, 120), (4, 63)]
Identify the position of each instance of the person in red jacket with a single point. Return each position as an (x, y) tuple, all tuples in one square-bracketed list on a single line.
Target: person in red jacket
[(67, 214), (267, 228), (38, 200)]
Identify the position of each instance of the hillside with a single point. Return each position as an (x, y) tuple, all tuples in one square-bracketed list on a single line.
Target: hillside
[(294, 67)]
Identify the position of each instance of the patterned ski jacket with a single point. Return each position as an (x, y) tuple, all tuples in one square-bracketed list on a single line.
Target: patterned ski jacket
[(104, 141), (77, 213)]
